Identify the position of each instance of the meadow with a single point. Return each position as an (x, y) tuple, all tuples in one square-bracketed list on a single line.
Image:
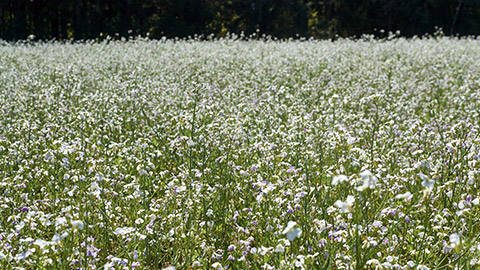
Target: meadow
[(234, 154)]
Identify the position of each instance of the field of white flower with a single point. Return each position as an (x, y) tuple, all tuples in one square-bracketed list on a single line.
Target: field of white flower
[(240, 154)]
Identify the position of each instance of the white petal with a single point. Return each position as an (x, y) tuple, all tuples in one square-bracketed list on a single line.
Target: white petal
[(350, 200), (42, 243), (289, 227), (423, 176), (294, 234), (476, 201), (339, 179), (454, 240), (77, 223), (365, 174)]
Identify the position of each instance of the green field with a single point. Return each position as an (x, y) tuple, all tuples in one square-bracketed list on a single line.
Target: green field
[(231, 154)]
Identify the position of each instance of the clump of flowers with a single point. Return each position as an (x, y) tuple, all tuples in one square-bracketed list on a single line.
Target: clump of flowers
[(238, 153)]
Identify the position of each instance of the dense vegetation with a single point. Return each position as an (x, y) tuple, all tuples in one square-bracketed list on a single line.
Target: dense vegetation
[(241, 155), (88, 19)]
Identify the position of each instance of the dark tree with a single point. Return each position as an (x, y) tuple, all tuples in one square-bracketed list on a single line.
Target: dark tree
[(92, 19)]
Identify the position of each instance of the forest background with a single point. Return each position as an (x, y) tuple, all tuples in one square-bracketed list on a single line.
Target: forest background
[(93, 19)]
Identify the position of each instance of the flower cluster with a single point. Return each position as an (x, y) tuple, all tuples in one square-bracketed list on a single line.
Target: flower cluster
[(260, 154)]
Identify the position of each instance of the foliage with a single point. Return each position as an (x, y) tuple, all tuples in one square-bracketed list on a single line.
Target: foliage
[(90, 19)]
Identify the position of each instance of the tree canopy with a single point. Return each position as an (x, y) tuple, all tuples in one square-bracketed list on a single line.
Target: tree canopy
[(89, 19)]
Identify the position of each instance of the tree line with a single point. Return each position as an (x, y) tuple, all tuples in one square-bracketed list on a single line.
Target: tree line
[(90, 19)]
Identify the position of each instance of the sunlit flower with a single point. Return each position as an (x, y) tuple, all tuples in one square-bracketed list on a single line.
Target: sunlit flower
[(267, 266), (123, 231), (427, 184), (339, 179), (191, 143), (291, 231), (369, 180), (217, 266), (265, 250), (59, 237), (410, 264), (346, 206), (374, 264), (77, 224), (24, 255), (476, 201), (454, 240), (42, 243), (407, 196), (300, 262)]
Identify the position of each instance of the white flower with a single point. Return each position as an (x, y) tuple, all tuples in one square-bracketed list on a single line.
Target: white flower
[(339, 179), (423, 176), (42, 243), (217, 266), (95, 189), (169, 268), (120, 261), (351, 140), (19, 226), (291, 231), (77, 223), (454, 240), (407, 196), (265, 250), (280, 248), (60, 221), (428, 185), (22, 256), (367, 174), (26, 240), (346, 206), (196, 264), (300, 261), (373, 263), (476, 201), (268, 188), (387, 265), (123, 231), (369, 180), (57, 238), (267, 266)]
